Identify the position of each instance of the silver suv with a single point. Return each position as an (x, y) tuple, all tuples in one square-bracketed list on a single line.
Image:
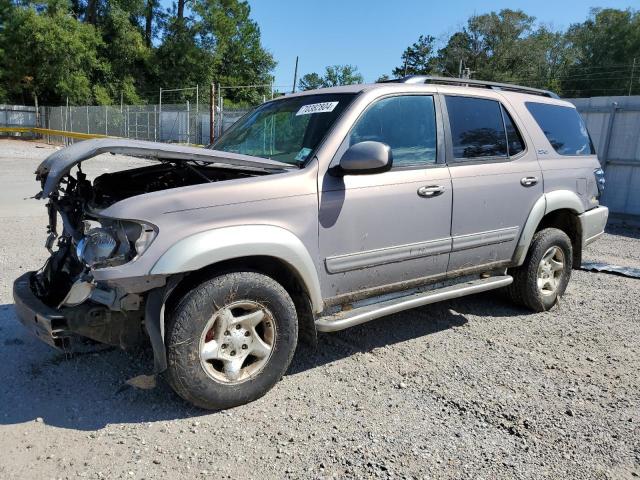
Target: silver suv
[(313, 213)]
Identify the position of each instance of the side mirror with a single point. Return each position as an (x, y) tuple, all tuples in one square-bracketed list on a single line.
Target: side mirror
[(365, 157)]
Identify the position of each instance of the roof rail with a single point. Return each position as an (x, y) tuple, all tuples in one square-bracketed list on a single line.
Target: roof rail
[(467, 82)]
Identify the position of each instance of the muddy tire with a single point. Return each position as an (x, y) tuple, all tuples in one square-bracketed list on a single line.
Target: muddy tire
[(545, 273), (230, 340)]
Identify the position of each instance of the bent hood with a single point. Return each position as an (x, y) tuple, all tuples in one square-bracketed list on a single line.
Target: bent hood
[(59, 163)]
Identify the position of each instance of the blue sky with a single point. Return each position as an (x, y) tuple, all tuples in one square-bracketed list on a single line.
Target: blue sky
[(372, 34)]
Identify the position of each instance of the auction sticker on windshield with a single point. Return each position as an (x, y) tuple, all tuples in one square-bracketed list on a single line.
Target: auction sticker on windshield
[(317, 108)]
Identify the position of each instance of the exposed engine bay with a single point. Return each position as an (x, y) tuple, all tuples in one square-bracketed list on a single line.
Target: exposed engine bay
[(90, 240)]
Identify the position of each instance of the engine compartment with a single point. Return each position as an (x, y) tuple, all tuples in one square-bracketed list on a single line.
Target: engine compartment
[(90, 240), (110, 188)]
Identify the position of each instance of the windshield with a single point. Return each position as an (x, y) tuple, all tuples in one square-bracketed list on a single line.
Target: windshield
[(287, 130)]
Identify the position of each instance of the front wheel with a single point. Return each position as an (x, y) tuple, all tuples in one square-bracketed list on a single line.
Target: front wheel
[(545, 273), (230, 339)]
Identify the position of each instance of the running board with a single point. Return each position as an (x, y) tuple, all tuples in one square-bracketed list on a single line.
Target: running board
[(350, 318)]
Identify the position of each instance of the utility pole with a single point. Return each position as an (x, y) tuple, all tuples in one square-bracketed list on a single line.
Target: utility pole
[(460, 69), (295, 76), (212, 111), (466, 73), (633, 68)]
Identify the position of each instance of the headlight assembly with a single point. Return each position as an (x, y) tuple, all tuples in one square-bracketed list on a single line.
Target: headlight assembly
[(110, 242)]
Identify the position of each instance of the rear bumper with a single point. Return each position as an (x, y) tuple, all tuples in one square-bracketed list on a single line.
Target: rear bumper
[(46, 323), (593, 222)]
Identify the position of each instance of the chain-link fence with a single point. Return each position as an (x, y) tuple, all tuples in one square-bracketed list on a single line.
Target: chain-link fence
[(178, 123)]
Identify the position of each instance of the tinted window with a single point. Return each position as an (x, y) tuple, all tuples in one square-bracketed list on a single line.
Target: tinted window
[(515, 144), (563, 127), (407, 124), (477, 129)]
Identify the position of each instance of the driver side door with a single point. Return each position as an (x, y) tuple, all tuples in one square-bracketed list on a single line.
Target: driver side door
[(388, 231)]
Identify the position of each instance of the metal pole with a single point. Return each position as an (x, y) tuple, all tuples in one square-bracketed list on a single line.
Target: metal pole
[(295, 76), (148, 126), (195, 140), (106, 120), (66, 120), (87, 118), (212, 110), (160, 117), (607, 141), (219, 111), (37, 111), (188, 134), (633, 68), (155, 123)]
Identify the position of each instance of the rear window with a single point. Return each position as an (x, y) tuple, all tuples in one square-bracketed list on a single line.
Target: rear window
[(563, 127)]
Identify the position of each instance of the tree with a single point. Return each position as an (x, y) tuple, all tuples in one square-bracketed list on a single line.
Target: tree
[(310, 81), (50, 55), (417, 59), (334, 76), (604, 48)]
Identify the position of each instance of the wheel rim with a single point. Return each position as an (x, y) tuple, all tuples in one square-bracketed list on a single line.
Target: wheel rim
[(550, 271), (237, 342)]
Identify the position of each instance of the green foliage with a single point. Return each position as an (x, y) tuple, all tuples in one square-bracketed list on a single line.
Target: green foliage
[(99, 51), (310, 81), (417, 59), (604, 47), (48, 54), (334, 75), (591, 58)]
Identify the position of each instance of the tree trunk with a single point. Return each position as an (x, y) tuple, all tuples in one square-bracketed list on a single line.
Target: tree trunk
[(148, 26), (181, 9), (92, 8)]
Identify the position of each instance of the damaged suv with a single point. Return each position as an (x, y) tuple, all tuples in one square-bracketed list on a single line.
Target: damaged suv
[(313, 213)]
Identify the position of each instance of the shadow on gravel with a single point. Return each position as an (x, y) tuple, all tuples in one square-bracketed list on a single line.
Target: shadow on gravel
[(87, 391), (408, 325), (623, 230), (84, 392)]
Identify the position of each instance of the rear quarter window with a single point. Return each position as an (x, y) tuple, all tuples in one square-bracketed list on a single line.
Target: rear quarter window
[(563, 127)]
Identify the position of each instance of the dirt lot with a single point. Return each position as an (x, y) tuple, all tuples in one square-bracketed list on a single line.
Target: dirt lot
[(473, 388)]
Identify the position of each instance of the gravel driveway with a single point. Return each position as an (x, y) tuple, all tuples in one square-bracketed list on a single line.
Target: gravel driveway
[(472, 388)]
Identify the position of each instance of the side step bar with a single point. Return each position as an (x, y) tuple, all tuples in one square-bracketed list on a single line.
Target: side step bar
[(350, 318)]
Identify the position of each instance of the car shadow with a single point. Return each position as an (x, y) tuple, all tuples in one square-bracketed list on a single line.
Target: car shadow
[(87, 391)]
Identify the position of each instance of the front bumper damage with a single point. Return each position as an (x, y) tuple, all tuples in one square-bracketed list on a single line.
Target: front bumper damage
[(59, 327), (46, 323)]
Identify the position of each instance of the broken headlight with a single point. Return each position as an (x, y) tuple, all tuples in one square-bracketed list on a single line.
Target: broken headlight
[(110, 242)]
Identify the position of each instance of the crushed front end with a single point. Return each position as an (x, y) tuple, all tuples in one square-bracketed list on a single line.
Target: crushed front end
[(62, 300)]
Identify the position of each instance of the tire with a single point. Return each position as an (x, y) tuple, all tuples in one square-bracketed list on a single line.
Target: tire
[(525, 289), (218, 355)]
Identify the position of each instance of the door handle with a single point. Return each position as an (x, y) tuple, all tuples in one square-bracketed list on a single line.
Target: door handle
[(529, 181), (429, 191)]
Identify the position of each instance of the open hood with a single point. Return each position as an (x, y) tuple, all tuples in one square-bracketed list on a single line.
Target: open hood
[(58, 164)]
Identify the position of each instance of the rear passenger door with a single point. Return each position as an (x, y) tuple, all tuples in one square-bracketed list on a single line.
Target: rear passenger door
[(496, 180)]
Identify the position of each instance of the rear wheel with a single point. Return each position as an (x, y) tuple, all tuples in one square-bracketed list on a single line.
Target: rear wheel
[(230, 340), (545, 273)]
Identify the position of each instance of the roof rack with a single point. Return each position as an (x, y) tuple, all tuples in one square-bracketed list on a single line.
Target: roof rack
[(467, 82)]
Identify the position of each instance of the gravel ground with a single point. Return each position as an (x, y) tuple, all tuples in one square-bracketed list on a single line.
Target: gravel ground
[(472, 388)]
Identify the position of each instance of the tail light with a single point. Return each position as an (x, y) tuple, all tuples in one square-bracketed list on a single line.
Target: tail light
[(600, 181)]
